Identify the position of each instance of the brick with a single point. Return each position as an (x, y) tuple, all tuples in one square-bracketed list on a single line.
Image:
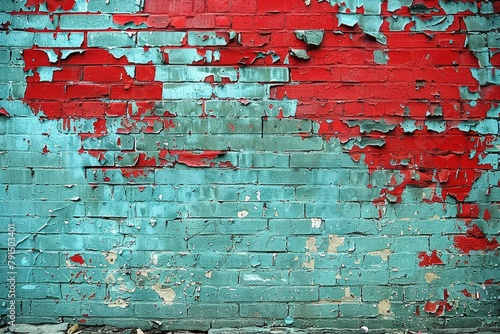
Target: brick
[(241, 90), (160, 38), (188, 91), (260, 310), (114, 6), (214, 311), (174, 73), (264, 74), (110, 39), (67, 40), (314, 310), (17, 39), (87, 22)]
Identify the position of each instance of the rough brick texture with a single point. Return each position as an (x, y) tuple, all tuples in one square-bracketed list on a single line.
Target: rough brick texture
[(208, 164)]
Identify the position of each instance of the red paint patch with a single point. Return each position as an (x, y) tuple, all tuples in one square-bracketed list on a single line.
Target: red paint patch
[(77, 258), (474, 240), (196, 159), (52, 5), (4, 112), (426, 260)]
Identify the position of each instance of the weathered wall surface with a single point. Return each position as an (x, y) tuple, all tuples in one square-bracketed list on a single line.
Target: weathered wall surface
[(247, 162)]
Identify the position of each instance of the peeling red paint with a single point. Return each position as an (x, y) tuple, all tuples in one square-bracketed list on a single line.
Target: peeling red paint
[(196, 159), (474, 240), (52, 5), (438, 308), (426, 260), (4, 112), (77, 258), (466, 293), (45, 150)]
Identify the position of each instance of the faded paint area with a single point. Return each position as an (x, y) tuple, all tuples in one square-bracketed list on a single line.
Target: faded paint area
[(213, 164)]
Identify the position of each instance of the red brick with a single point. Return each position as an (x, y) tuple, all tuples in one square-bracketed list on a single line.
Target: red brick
[(137, 92)]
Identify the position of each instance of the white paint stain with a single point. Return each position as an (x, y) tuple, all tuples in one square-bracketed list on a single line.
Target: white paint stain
[(154, 259), (316, 222), (258, 195), (167, 294), (247, 198), (384, 254), (208, 274), (110, 256), (242, 214), (120, 302)]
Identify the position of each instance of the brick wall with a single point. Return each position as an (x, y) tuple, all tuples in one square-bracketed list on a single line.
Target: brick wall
[(195, 164)]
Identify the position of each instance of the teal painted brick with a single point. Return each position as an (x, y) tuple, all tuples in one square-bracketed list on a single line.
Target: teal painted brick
[(187, 91), (374, 293), (15, 143), (264, 278), (115, 6), (160, 38), (109, 209), (76, 243), (5, 90), (38, 291), (65, 40), (244, 143), (264, 74), (366, 277), (236, 176), (241, 90), (152, 209), (411, 244), (211, 260), (58, 176), (297, 143), (344, 210), (85, 22), (254, 108), (340, 294), (265, 159), (16, 208), (261, 243), (138, 55), (241, 226), (204, 243), (17, 39), (83, 292), (284, 210), (16, 176), (290, 260), (109, 142), (55, 307), (110, 39), (377, 243), (314, 160), (358, 310), (179, 73), (18, 90), (11, 73), (328, 194), (296, 293), (313, 278), (287, 126), (148, 310), (179, 108), (264, 310), (284, 176), (183, 56), (213, 311), (98, 308), (219, 193), (296, 226), (162, 259), (117, 176), (170, 176), (4, 56), (267, 193), (48, 259), (242, 294), (206, 38), (312, 311)]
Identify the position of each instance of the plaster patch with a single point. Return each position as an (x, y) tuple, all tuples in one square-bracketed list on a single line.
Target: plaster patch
[(384, 254), (110, 256), (167, 294), (429, 277), (316, 222), (384, 307), (334, 241), (242, 214), (120, 302)]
